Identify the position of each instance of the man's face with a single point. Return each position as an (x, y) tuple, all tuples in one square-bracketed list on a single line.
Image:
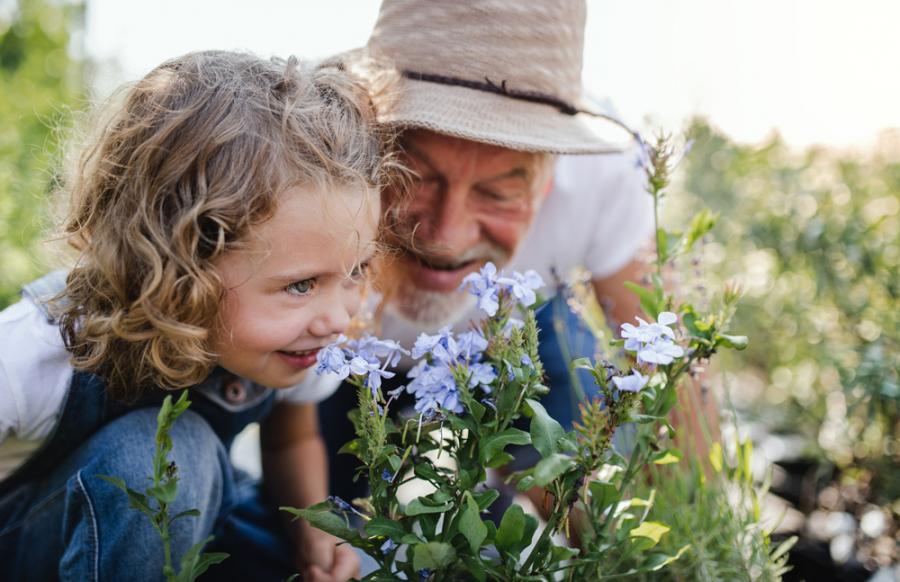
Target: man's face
[(470, 203)]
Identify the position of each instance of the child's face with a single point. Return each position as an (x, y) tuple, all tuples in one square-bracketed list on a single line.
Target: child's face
[(296, 285)]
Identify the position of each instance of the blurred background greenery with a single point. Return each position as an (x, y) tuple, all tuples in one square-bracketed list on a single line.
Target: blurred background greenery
[(811, 234), (41, 85)]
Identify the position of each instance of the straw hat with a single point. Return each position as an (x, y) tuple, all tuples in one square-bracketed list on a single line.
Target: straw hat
[(503, 72)]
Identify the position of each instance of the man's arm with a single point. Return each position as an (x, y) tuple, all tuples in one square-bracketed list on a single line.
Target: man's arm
[(295, 470), (696, 415)]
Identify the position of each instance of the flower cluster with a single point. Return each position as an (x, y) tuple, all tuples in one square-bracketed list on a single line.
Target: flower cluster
[(444, 358), (433, 378), (367, 356), (653, 342), (487, 285)]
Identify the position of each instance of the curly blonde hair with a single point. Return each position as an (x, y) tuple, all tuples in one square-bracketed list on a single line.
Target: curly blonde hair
[(195, 156)]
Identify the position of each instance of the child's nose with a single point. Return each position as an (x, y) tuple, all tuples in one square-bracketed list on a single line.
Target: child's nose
[(334, 317)]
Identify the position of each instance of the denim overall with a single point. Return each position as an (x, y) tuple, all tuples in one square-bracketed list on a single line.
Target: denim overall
[(58, 520)]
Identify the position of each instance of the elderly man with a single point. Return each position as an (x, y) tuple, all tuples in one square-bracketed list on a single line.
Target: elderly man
[(491, 108)]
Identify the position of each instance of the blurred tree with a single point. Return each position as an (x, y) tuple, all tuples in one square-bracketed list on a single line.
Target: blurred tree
[(41, 82), (814, 234)]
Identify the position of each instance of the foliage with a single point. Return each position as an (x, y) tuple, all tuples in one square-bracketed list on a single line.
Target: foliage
[(713, 512), (39, 81), (154, 502), (816, 236)]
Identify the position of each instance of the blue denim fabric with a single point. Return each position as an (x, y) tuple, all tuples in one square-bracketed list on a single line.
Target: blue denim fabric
[(75, 526)]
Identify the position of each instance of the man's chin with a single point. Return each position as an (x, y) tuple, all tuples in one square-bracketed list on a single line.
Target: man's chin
[(432, 308)]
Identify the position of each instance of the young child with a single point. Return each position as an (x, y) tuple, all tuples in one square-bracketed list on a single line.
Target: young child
[(224, 216)]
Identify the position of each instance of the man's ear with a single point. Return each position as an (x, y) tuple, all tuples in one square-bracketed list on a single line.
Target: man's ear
[(547, 188)]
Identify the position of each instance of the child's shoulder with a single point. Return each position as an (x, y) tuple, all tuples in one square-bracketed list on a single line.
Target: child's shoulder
[(34, 371)]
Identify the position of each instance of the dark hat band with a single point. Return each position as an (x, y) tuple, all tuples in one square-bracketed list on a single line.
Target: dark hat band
[(489, 86)]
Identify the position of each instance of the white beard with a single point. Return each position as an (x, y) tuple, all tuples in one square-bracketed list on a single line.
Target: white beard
[(431, 309)]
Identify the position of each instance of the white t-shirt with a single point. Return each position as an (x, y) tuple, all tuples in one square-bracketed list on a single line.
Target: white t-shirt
[(35, 374), (597, 216)]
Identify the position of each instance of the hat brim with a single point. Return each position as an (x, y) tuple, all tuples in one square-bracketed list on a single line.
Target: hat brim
[(501, 120)]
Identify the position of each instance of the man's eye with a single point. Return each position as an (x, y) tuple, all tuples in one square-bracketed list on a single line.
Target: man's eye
[(301, 287), (360, 271), (499, 197)]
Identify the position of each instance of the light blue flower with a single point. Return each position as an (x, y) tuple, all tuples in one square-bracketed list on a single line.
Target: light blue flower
[(483, 285), (631, 383), (660, 352), (653, 342), (371, 348), (332, 360), (523, 286), (387, 546), (471, 345), (373, 380), (482, 375), (442, 346), (434, 388)]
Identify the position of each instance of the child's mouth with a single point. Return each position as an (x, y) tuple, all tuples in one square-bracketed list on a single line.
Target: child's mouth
[(301, 359)]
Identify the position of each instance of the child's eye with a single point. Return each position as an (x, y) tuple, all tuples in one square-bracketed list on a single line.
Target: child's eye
[(301, 287)]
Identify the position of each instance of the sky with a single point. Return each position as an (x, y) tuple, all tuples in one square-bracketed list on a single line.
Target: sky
[(817, 71)]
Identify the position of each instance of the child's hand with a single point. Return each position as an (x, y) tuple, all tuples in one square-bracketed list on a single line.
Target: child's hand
[(325, 560)]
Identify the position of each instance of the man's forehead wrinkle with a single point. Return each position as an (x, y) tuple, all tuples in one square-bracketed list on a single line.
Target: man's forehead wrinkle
[(466, 158)]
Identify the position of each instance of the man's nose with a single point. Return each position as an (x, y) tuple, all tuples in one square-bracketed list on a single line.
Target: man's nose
[(454, 226)]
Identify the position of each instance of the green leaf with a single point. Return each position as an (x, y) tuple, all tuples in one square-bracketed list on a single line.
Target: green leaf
[(701, 223), (495, 443), (603, 495), (549, 468), (418, 507), (666, 457), (668, 398), (735, 342), (652, 530), (166, 492), (545, 430), (485, 498), (525, 483), (382, 526), (581, 363), (425, 470), (500, 460), (353, 447), (515, 531), (560, 553), (477, 410), (321, 516), (120, 483), (470, 524), (657, 561), (649, 300), (433, 555), (188, 513), (716, 457), (193, 563)]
